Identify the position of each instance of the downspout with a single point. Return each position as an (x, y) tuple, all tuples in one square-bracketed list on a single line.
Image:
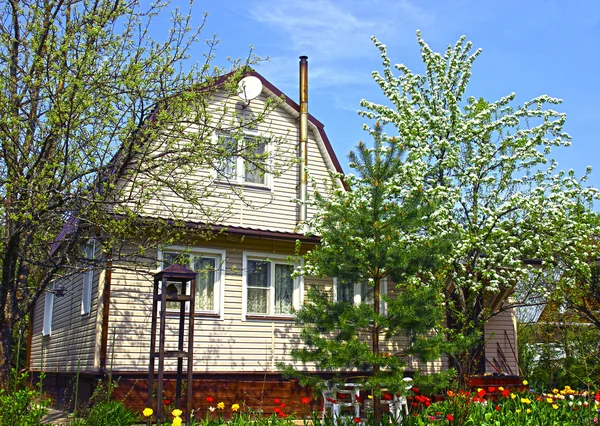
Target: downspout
[(302, 146)]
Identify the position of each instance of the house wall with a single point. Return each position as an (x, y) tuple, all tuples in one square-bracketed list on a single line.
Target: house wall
[(73, 335), (501, 343), (267, 208), (227, 345), (230, 344)]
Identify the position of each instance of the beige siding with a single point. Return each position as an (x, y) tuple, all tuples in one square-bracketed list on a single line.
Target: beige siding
[(230, 344), (501, 339), (269, 208), (220, 345), (73, 335)]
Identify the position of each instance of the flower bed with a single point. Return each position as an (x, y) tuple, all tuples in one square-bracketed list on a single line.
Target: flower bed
[(508, 406), (484, 406)]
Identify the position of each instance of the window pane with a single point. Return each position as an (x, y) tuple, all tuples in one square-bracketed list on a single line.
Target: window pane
[(227, 162), (258, 273), (205, 283), (88, 278), (175, 258), (284, 289), (345, 292), (255, 168), (48, 312), (258, 300), (367, 292)]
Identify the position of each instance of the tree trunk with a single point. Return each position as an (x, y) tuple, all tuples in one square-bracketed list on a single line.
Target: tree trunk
[(6, 340), (375, 337)]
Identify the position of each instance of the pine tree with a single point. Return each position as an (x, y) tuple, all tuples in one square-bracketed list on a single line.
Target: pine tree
[(373, 235)]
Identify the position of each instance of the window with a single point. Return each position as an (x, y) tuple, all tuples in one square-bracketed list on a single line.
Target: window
[(269, 286), (48, 312), (357, 293), (235, 168), (88, 278), (210, 267)]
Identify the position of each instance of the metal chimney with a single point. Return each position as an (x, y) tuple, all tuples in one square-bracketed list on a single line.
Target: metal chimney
[(302, 146)]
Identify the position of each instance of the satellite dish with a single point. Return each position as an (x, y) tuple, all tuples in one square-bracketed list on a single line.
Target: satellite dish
[(249, 88)]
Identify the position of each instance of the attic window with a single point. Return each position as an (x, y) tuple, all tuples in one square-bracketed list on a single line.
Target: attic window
[(247, 169)]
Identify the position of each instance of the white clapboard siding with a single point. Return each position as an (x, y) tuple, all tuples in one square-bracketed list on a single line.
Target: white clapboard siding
[(230, 344), (73, 335), (270, 208)]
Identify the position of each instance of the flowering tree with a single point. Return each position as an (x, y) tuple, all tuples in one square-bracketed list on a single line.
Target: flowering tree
[(373, 235), (503, 200), (95, 120)]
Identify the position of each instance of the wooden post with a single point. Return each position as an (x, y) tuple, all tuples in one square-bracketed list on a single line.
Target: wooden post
[(174, 273)]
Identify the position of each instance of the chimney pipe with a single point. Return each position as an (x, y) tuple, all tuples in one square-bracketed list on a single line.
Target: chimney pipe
[(302, 146)]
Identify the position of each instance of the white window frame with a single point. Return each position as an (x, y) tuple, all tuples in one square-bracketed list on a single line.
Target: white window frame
[(48, 311), (219, 282), (88, 278), (273, 259), (358, 296), (239, 177)]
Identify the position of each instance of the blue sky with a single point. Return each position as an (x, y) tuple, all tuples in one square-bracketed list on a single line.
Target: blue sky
[(529, 47)]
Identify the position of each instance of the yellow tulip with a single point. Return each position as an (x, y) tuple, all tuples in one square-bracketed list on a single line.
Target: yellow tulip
[(235, 407), (147, 412), (177, 412)]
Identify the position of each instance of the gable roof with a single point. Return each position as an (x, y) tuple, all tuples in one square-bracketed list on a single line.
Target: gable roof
[(270, 90)]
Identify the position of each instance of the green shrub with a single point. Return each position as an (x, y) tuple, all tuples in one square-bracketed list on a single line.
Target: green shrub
[(21, 406), (112, 413)]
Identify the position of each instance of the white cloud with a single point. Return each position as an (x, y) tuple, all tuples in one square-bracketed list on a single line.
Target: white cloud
[(339, 29), (336, 36)]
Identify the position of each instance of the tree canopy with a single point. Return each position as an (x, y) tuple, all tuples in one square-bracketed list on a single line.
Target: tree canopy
[(96, 118), (504, 200), (373, 237)]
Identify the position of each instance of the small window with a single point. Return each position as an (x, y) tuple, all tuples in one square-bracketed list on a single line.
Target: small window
[(209, 265), (48, 312), (88, 278), (235, 168), (269, 286), (357, 293)]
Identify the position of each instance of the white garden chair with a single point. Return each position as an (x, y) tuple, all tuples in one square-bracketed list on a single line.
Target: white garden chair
[(332, 403)]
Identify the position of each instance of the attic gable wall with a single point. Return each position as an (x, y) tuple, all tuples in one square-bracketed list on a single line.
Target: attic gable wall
[(270, 207)]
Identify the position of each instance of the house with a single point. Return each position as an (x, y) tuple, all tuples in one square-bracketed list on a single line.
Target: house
[(246, 294)]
